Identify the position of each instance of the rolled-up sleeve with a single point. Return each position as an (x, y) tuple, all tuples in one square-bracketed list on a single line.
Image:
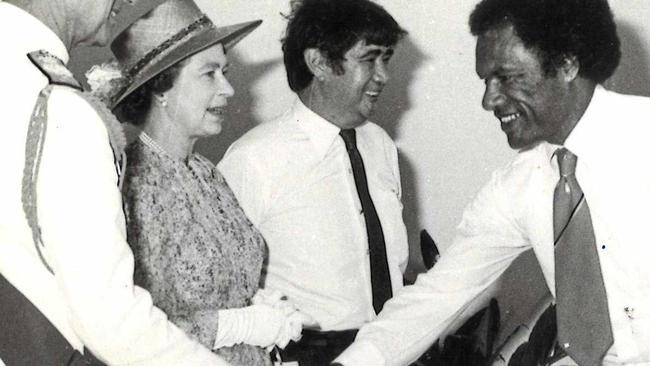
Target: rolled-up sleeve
[(82, 222)]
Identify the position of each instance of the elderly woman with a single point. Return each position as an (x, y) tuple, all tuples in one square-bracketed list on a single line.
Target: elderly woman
[(195, 250)]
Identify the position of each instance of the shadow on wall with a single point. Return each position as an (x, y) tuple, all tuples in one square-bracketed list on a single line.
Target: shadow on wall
[(240, 117), (633, 73), (395, 100), (389, 112), (410, 215)]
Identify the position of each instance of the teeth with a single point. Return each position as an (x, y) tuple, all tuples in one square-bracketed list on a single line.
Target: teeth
[(216, 110), (509, 118), (372, 94)]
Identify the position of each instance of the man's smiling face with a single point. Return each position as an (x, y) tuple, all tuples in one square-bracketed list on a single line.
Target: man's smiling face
[(352, 92), (528, 102)]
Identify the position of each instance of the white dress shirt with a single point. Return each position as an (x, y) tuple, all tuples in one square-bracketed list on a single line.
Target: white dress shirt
[(514, 212), (294, 180), (90, 298)]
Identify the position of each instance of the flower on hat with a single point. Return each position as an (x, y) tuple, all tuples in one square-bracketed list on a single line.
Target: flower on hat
[(106, 80)]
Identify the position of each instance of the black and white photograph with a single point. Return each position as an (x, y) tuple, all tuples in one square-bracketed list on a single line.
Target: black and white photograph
[(325, 183)]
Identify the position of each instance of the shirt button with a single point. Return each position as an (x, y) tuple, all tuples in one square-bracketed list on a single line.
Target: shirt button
[(566, 345), (349, 170), (629, 312)]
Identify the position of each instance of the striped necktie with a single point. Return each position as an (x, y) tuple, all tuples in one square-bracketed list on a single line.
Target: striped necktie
[(584, 328)]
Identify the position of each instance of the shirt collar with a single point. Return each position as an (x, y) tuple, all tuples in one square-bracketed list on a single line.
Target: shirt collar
[(35, 35), (549, 150), (319, 131), (580, 137)]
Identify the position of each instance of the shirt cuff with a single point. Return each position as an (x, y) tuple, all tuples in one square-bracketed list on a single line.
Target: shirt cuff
[(361, 353)]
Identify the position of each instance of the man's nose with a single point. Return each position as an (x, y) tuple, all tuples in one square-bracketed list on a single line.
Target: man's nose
[(381, 72), (493, 95)]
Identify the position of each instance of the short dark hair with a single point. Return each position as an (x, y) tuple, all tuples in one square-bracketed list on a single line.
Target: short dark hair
[(135, 106), (333, 27), (557, 29)]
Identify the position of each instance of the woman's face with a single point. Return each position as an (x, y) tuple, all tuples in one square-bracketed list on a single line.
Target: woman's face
[(197, 101)]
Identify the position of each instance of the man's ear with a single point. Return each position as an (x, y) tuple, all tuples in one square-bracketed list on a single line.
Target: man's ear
[(317, 63), (569, 68)]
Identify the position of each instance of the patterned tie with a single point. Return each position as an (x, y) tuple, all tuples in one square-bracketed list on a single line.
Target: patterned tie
[(379, 275), (584, 329)]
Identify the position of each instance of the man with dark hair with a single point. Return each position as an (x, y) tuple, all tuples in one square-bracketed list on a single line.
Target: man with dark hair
[(577, 193), (321, 182)]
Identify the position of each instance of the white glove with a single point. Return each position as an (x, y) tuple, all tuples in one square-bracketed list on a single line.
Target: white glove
[(275, 299), (295, 319), (292, 330), (258, 325)]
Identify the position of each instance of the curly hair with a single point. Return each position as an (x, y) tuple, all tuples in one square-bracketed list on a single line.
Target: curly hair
[(134, 107), (333, 27), (557, 29)]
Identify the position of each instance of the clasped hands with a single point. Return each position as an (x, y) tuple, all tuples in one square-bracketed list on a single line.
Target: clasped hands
[(270, 321)]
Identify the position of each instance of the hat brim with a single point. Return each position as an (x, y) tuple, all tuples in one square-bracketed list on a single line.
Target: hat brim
[(228, 36)]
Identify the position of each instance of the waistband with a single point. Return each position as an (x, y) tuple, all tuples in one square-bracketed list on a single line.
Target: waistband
[(333, 337)]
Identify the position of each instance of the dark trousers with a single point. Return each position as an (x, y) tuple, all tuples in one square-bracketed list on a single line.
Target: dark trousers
[(318, 348), (28, 338)]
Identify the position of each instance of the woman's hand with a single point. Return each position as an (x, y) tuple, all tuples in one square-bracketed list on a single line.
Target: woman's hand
[(294, 318), (271, 321), (259, 325)]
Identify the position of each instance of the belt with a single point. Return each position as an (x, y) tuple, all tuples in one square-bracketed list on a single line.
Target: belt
[(335, 337), (318, 348)]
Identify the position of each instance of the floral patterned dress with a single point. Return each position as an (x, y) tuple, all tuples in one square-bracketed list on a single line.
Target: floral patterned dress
[(195, 250)]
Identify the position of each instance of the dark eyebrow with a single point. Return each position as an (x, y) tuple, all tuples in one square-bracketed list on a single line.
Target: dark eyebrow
[(377, 52), (215, 65)]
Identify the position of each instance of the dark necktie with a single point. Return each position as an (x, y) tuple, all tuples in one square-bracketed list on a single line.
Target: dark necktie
[(379, 275), (584, 329)]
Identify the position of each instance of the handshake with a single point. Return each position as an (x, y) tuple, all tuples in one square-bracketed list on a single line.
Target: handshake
[(270, 321)]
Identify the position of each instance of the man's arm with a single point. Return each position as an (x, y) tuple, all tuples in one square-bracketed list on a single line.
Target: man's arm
[(393, 162), (488, 240), (80, 214), (246, 180)]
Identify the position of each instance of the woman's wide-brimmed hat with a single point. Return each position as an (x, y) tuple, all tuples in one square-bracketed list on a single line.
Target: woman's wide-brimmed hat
[(164, 33)]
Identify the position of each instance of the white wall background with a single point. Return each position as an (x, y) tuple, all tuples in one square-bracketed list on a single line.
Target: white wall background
[(431, 107)]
